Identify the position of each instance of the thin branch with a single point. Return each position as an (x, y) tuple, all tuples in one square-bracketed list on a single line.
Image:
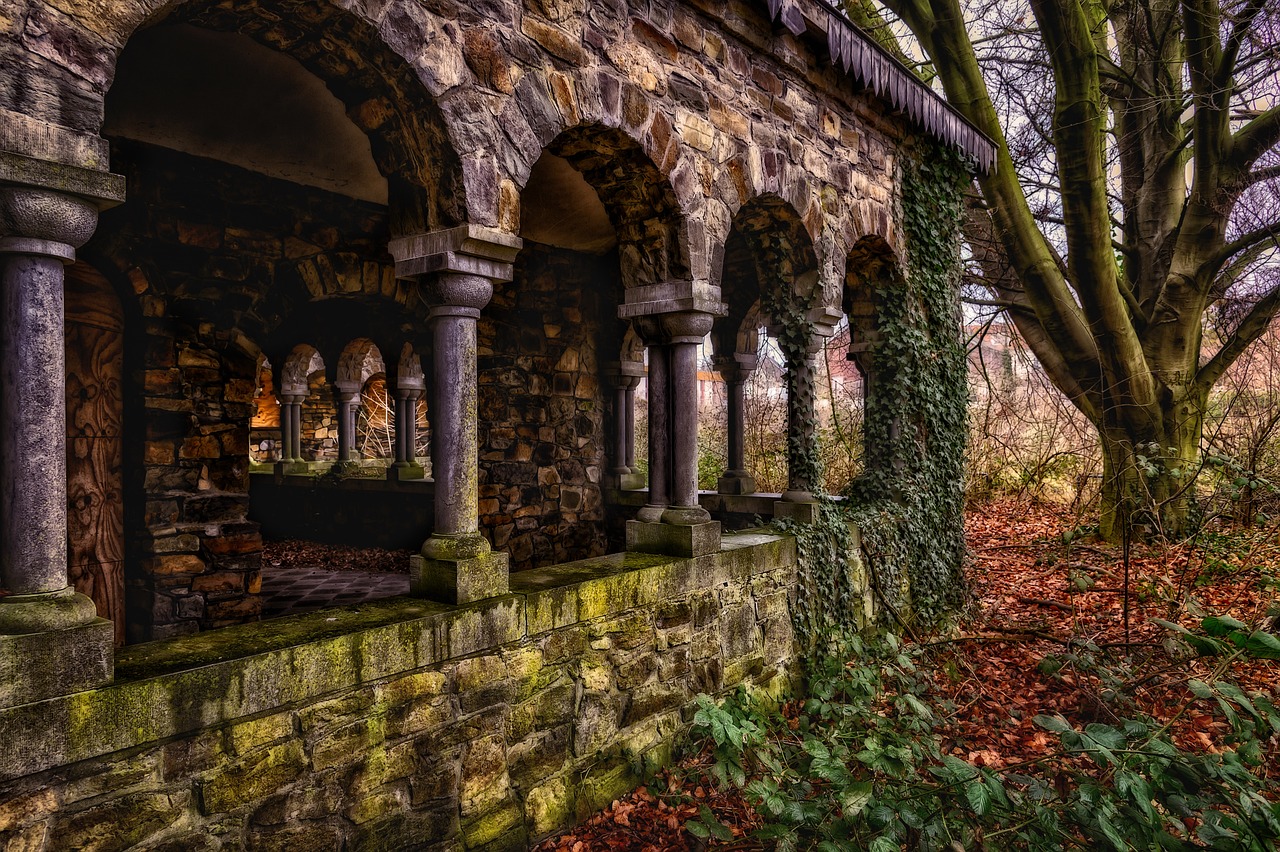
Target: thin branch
[(1250, 329)]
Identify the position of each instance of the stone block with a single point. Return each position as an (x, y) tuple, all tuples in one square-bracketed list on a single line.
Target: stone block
[(674, 539), (631, 482), (736, 483), (254, 777), (36, 666), (459, 581), (120, 823), (801, 513)]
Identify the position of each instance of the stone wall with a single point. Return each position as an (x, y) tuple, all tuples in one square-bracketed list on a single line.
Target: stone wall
[(221, 259), (402, 724), (541, 407), (319, 421)]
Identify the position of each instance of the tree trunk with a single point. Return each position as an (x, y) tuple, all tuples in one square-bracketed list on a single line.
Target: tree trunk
[(1148, 475)]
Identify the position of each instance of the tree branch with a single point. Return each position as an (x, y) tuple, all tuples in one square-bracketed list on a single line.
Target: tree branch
[(1250, 329)]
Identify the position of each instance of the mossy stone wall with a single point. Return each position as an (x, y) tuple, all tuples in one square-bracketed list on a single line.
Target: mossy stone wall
[(404, 724)]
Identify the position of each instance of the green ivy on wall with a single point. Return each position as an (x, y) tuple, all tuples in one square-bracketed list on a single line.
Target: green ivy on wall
[(907, 505)]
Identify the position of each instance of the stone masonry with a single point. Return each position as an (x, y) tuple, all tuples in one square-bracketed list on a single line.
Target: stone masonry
[(404, 724)]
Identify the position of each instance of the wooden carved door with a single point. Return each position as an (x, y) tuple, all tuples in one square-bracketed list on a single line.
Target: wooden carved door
[(95, 413)]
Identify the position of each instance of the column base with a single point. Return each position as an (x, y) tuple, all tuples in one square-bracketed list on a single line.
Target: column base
[(36, 666), (292, 468), (459, 581), (45, 613), (630, 481), (736, 482), (685, 540), (405, 471), (800, 512)]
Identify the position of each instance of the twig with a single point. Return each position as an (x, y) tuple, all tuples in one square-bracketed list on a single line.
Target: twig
[(1044, 602)]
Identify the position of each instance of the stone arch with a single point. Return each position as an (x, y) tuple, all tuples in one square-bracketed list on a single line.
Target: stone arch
[(769, 245), (302, 362), (872, 267), (373, 77), (652, 226), (632, 349), (361, 359)]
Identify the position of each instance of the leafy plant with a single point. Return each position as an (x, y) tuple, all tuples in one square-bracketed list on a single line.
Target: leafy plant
[(858, 764)]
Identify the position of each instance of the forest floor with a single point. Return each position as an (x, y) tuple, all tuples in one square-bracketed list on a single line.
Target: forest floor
[(1041, 589)]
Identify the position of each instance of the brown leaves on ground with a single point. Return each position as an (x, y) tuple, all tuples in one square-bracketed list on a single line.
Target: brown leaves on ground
[(1040, 599), (647, 821), (296, 553), (1037, 601)]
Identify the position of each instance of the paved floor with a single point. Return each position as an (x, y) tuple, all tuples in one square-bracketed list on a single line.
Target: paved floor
[(290, 590)]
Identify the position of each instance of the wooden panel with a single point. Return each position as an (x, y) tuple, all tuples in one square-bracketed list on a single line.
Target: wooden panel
[(95, 490)]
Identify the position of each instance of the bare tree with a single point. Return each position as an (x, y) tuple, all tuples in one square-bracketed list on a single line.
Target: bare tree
[(1135, 188)]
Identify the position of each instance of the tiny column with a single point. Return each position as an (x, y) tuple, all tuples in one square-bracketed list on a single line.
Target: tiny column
[(348, 399), (625, 376), (409, 389), (737, 372), (291, 400), (456, 270), (51, 639)]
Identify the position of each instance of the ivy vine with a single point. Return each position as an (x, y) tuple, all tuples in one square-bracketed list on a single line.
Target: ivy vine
[(907, 505)]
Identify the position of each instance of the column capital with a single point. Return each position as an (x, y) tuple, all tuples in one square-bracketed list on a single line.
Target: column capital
[(671, 297), (53, 182), (624, 374), (471, 250), (457, 293), (688, 326), (34, 220), (737, 367)]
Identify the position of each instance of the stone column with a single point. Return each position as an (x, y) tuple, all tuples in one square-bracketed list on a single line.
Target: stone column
[(409, 390), (625, 377), (686, 330), (630, 420), (801, 428), (457, 270), (672, 521), (51, 639), (798, 501), (347, 395), (737, 372), (658, 388), (291, 462)]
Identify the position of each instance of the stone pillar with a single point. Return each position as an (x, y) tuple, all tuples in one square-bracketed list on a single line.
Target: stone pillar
[(457, 270), (51, 639), (659, 391), (673, 521), (798, 501), (631, 426), (737, 372), (291, 462), (625, 377), (686, 331), (409, 390), (347, 396)]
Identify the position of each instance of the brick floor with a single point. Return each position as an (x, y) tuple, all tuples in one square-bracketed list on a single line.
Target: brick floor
[(290, 590)]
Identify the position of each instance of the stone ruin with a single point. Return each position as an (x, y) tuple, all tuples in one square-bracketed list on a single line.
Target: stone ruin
[(393, 271)]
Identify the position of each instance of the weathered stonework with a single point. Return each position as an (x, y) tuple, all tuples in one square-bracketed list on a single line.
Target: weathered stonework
[(542, 406), (404, 724)]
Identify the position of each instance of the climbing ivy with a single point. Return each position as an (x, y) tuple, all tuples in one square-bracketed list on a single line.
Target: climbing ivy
[(908, 503), (793, 331)]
